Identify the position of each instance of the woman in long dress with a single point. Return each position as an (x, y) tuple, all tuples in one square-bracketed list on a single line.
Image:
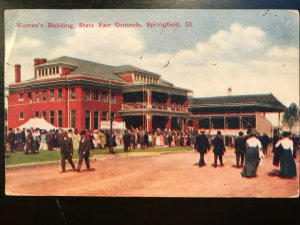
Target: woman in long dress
[(253, 155), (286, 159)]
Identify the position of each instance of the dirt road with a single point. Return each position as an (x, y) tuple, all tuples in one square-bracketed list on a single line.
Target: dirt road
[(165, 175)]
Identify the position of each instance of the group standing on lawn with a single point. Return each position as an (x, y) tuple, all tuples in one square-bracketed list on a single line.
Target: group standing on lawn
[(249, 148)]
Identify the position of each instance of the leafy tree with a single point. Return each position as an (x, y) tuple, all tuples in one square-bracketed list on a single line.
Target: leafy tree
[(291, 115)]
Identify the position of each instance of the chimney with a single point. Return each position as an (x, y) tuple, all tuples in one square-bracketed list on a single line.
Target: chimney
[(229, 91), (17, 73), (39, 61)]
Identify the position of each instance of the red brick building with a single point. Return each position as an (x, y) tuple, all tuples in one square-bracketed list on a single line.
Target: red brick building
[(70, 92), (76, 93)]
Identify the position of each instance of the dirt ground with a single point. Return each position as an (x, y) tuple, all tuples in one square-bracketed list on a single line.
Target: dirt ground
[(153, 175)]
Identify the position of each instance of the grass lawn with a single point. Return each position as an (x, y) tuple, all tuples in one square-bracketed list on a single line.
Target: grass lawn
[(43, 156)]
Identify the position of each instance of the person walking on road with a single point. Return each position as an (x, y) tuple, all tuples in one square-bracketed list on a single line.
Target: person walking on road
[(265, 140), (66, 151), (284, 152), (219, 149), (84, 151), (253, 155), (240, 149), (202, 146)]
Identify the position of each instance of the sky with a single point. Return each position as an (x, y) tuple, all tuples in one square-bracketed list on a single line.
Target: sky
[(251, 51)]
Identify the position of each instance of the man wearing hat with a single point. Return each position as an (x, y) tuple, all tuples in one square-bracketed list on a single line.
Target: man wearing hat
[(84, 151), (11, 139), (66, 151), (219, 149), (29, 142), (265, 140), (202, 146), (240, 149)]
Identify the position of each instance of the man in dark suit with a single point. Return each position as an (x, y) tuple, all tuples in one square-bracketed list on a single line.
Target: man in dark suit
[(240, 149), (84, 151), (265, 140), (29, 142), (66, 151), (219, 148), (126, 140), (145, 140), (202, 146)]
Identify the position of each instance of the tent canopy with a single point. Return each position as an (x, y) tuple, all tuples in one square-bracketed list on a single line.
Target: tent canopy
[(37, 123)]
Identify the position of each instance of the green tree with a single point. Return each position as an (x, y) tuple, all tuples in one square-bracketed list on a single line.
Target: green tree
[(291, 115)]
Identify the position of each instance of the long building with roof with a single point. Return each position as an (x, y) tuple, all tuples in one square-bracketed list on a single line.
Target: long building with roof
[(74, 93)]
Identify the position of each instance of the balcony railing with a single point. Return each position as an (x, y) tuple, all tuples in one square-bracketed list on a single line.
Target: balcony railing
[(156, 106)]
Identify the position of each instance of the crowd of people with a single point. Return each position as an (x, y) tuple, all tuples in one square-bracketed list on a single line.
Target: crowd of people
[(249, 148)]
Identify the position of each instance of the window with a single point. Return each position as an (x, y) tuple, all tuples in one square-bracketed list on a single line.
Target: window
[(44, 96), (190, 123), (39, 72), (87, 94), (44, 114), (60, 93), (52, 95), (96, 95), (87, 120), (50, 70), (73, 118), (59, 118), (112, 116), (105, 115), (52, 117), (21, 116), (29, 95), (36, 96), (73, 93), (105, 96), (46, 71), (21, 97), (113, 98), (57, 70), (96, 120), (36, 114)]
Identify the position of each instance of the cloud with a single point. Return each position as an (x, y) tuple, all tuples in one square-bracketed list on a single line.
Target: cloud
[(283, 53), (239, 57), (101, 43)]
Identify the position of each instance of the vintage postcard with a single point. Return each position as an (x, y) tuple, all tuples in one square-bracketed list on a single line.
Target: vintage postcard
[(152, 103)]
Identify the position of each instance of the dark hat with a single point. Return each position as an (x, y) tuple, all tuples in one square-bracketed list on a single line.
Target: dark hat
[(241, 133), (286, 133), (218, 132), (83, 132), (70, 130)]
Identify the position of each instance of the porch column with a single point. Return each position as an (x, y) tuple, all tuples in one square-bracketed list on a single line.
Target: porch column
[(241, 124), (169, 99), (168, 125), (186, 125), (149, 99), (278, 122), (149, 122)]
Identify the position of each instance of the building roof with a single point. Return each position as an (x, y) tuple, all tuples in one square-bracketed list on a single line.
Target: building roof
[(87, 67), (258, 102), (130, 68)]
